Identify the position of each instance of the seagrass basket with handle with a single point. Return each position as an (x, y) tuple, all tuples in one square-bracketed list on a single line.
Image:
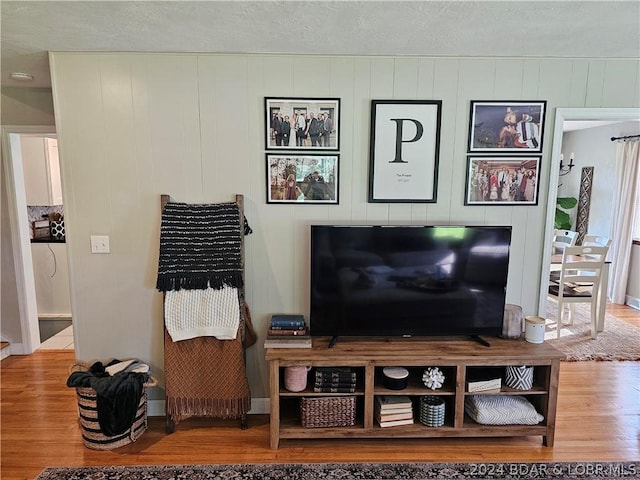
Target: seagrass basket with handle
[(92, 435)]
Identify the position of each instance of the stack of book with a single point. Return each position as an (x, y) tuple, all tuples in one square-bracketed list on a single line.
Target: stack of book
[(287, 331), (392, 410), (334, 380)]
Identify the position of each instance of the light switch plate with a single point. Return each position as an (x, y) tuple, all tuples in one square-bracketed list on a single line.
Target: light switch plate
[(100, 244)]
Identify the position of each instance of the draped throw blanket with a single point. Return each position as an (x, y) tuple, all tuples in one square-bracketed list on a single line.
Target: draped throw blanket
[(205, 377), (202, 313), (200, 247)]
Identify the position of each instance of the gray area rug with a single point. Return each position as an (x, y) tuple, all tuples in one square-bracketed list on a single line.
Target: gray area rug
[(619, 340), (355, 471)]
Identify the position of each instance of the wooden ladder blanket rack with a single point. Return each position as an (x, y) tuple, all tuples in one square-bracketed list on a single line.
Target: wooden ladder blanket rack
[(205, 376)]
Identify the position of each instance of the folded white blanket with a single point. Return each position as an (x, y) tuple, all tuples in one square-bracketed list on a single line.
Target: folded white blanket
[(202, 313)]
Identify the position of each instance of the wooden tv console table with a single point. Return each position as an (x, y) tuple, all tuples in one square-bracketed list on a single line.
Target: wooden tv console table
[(455, 357)]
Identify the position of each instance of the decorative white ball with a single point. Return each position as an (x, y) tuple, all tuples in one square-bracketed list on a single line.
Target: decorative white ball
[(433, 378)]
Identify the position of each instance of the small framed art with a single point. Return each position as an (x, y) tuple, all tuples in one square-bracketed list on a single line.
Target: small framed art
[(403, 150), (302, 179), (503, 126), (502, 180), (302, 123)]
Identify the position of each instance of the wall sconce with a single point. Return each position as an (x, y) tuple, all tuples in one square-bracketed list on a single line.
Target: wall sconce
[(566, 169)]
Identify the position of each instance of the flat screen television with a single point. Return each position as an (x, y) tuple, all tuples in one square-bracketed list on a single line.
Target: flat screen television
[(408, 280)]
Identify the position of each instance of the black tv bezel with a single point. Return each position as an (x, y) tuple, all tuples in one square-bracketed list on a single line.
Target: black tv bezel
[(493, 331)]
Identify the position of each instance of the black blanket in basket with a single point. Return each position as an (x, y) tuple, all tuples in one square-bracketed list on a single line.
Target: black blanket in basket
[(117, 397)]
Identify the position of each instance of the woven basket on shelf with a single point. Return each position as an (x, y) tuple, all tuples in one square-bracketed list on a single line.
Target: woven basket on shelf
[(328, 411), (92, 435)]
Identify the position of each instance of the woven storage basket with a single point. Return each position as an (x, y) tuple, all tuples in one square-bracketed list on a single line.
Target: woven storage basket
[(328, 411), (92, 435)]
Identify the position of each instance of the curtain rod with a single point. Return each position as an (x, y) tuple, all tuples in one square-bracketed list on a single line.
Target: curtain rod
[(613, 139)]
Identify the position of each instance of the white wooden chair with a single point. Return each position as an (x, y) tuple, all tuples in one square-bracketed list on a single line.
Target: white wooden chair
[(578, 282), (596, 241), (562, 239)]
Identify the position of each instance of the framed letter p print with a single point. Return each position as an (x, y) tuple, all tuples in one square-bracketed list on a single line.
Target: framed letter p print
[(404, 147)]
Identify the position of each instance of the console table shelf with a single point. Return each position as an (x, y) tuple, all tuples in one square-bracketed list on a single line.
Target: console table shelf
[(454, 356)]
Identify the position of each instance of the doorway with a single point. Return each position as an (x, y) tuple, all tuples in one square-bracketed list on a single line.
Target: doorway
[(609, 115), (27, 323)]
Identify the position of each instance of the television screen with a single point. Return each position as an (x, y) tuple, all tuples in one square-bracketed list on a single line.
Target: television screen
[(408, 280)]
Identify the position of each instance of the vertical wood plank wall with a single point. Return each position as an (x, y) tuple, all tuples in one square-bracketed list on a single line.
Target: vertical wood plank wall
[(134, 126)]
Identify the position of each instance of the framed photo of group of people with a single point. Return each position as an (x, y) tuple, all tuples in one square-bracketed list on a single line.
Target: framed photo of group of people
[(302, 140), (504, 152)]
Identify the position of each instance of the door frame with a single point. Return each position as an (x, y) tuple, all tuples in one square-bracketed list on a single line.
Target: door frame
[(19, 226), (562, 115)]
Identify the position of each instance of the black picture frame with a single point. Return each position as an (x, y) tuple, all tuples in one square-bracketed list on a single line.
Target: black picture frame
[(289, 109), (509, 127), (507, 187), (307, 188), (404, 150)]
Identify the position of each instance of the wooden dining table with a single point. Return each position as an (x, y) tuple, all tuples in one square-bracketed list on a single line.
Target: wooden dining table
[(601, 294)]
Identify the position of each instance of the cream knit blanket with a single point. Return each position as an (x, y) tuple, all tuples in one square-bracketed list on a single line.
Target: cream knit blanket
[(202, 313)]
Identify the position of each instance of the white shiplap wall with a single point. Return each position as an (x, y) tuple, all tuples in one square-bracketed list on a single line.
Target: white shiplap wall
[(134, 126)]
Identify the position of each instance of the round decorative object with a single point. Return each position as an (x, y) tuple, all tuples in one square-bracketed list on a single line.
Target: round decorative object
[(395, 378), (433, 378), (534, 329), (432, 410)]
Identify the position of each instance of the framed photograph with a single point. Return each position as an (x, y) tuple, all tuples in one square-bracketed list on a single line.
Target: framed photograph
[(302, 123), (305, 179), (403, 151), (515, 127), (502, 180)]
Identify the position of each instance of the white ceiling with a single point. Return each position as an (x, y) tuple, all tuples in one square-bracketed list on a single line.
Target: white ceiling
[(529, 28)]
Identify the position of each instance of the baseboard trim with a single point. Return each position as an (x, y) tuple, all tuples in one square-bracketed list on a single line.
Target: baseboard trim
[(633, 302), (16, 349), (5, 352), (155, 408), (55, 316)]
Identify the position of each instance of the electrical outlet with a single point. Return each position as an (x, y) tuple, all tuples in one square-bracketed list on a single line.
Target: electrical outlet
[(100, 244)]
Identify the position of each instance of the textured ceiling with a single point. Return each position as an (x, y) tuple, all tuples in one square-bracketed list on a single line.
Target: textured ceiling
[(435, 28)]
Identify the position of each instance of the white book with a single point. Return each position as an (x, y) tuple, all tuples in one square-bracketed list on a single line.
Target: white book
[(389, 417), (394, 423), (484, 385), (288, 343), (394, 411), (392, 402)]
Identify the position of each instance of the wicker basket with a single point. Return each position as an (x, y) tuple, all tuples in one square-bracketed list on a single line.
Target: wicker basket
[(318, 412), (92, 435)]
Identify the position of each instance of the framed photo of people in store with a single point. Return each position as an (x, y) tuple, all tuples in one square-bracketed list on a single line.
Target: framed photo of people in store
[(502, 180), (302, 179), (302, 123), (506, 127)]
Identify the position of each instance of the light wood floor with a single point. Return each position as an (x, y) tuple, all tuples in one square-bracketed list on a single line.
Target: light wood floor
[(598, 419)]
